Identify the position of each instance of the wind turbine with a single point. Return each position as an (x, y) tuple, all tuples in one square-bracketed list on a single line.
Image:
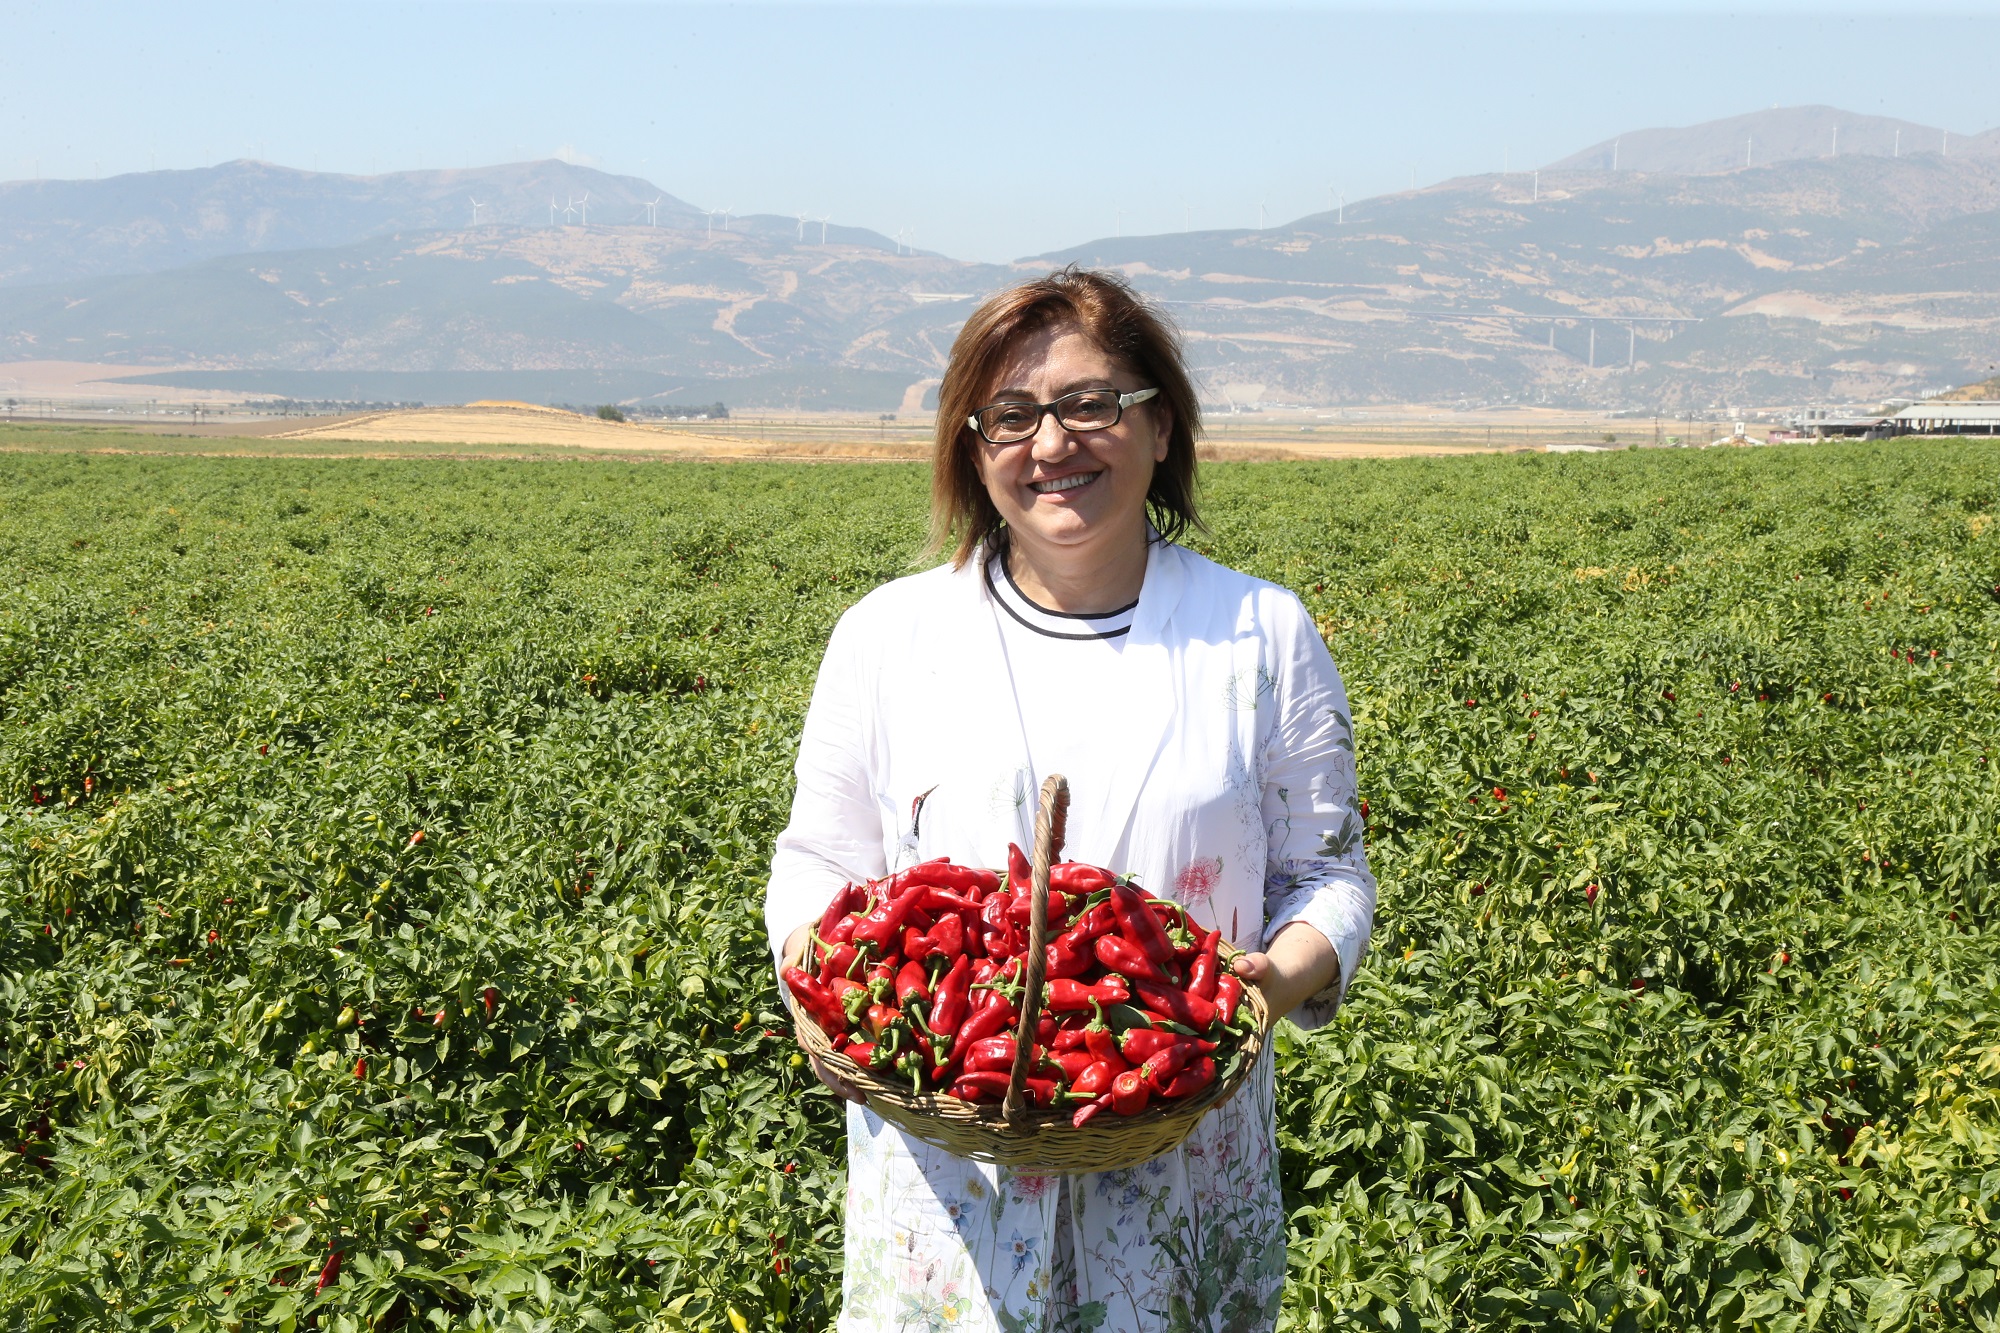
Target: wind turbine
[(725, 216), (822, 228), (584, 204), (568, 209), (652, 211), (476, 206), (802, 229)]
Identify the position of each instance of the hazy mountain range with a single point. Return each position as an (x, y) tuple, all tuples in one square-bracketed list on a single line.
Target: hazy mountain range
[(1803, 277)]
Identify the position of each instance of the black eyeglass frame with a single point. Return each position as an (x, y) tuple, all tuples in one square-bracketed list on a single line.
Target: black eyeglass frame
[(1125, 400)]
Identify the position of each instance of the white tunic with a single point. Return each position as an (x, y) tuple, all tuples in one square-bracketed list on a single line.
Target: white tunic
[(1212, 756)]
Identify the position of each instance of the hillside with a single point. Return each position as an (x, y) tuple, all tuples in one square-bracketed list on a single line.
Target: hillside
[(1817, 279), (1765, 138)]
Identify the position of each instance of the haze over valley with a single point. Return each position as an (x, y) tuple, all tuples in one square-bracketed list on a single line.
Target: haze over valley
[(1655, 273)]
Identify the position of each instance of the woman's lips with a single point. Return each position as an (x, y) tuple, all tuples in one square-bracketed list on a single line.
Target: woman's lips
[(1061, 485)]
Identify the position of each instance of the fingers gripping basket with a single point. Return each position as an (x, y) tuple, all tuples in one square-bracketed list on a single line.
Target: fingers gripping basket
[(1016, 1133)]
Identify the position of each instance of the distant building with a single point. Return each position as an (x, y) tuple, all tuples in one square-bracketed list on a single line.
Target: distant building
[(1939, 416)]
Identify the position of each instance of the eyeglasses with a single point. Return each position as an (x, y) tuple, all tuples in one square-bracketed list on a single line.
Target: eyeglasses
[(1086, 409)]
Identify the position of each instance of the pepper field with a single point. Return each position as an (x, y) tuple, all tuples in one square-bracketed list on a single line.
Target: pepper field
[(381, 848)]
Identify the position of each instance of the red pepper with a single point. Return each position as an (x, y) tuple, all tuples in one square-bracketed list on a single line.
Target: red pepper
[(815, 999), (1160, 1067), (1129, 1093), (1068, 957), (840, 961), (1202, 973), (1019, 873), (954, 1000), (1099, 920), (1099, 1039), (1141, 1044), (1228, 994), (1120, 955), (1084, 1114), (989, 1053), (1021, 906), (842, 931), (329, 1274), (913, 985), (1095, 1079), (997, 1015), (882, 925), (1178, 1005), (974, 1092), (983, 971), (1001, 939), (904, 880), (1138, 924), (1200, 1072), (946, 939), (1073, 1063), (850, 897), (1064, 996), (1045, 1028), (882, 1018), (1076, 877), (852, 996), (1042, 1090), (944, 900), (1068, 1039)]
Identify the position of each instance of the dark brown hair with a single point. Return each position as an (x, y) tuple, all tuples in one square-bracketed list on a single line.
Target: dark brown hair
[(1124, 326)]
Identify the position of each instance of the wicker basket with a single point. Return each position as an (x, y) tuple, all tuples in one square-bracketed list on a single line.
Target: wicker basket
[(1015, 1133)]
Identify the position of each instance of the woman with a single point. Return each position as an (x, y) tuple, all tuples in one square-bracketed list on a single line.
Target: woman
[(1206, 739)]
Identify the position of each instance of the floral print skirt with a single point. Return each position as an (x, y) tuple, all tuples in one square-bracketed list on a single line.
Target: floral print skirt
[(1192, 1240)]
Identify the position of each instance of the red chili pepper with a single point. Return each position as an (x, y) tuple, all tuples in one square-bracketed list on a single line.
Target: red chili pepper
[(1099, 920), (1064, 996), (1199, 1073), (1228, 994), (1073, 1063), (1019, 873), (983, 971), (1129, 1093), (913, 985), (954, 999), (1068, 957), (1178, 1005), (1160, 1067), (882, 1018), (990, 1053), (1120, 955), (1099, 1039), (1076, 877), (1042, 1090), (330, 1274), (1138, 924), (1095, 1079), (904, 880), (1202, 972), (946, 939), (852, 997), (840, 961), (816, 1000), (1045, 1028), (973, 1092), (944, 900), (492, 998), (846, 901), (1141, 1044), (842, 932), (1002, 941), (997, 1016), (882, 925), (1084, 1114), (1068, 1039)]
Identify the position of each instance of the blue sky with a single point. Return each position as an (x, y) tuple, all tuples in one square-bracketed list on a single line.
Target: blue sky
[(992, 132)]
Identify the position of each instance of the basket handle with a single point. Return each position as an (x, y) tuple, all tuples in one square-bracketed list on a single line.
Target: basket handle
[(1051, 816)]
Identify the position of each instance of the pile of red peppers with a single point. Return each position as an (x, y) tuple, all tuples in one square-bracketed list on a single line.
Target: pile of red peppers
[(918, 976)]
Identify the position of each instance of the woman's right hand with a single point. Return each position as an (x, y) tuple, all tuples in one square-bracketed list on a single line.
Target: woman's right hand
[(840, 1086)]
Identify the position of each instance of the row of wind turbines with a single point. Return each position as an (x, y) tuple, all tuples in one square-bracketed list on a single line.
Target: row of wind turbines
[(579, 210)]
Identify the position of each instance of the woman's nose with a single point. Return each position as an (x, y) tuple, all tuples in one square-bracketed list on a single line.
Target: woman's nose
[(1052, 439)]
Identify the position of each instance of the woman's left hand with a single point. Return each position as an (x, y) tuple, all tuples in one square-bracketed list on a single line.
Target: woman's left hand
[(1296, 964)]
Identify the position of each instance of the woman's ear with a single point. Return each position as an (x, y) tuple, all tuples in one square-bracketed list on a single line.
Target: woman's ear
[(1163, 445)]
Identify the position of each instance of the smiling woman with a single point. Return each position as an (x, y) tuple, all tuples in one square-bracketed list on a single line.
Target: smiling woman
[(1207, 740)]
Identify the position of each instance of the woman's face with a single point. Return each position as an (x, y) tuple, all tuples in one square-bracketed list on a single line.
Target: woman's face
[(1064, 488)]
